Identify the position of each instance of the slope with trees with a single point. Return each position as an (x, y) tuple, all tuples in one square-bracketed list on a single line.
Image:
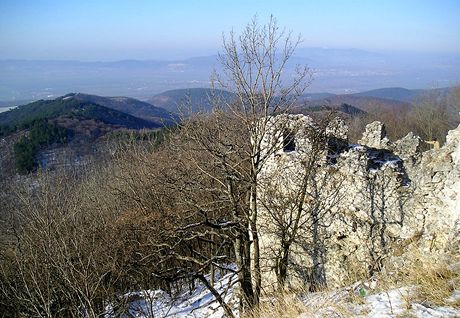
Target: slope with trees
[(130, 106), (22, 116), (78, 120)]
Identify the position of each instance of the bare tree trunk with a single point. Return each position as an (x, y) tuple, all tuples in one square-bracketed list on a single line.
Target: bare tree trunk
[(242, 255), (282, 266), (212, 267), (255, 246), (212, 274), (215, 293), (318, 279)]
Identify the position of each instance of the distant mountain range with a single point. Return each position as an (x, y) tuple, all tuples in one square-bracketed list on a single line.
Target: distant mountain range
[(337, 71), (87, 117), (364, 103), (373, 100), (385, 98), (162, 109), (394, 93)]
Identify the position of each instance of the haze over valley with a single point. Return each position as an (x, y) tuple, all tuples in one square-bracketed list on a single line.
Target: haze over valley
[(336, 71)]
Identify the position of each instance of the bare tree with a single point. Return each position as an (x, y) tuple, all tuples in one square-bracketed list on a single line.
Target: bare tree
[(253, 66), (185, 228), (430, 116), (454, 98), (60, 263), (206, 190)]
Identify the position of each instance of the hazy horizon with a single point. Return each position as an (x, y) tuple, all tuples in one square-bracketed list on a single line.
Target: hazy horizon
[(215, 53), (139, 48), (150, 30)]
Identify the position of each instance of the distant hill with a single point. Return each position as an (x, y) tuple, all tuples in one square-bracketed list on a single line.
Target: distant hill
[(403, 94), (196, 99), (364, 103), (368, 101), (345, 110), (68, 106), (399, 94), (130, 106), (395, 93), (66, 130)]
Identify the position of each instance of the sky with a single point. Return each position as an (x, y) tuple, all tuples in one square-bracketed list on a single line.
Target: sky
[(108, 30)]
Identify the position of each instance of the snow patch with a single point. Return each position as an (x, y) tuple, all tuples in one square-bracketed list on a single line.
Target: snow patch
[(200, 303)]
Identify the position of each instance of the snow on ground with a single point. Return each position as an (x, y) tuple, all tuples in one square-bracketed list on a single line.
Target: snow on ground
[(199, 304), (394, 303), (345, 302), (389, 304)]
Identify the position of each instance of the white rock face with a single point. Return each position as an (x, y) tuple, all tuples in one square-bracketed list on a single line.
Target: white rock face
[(361, 204), (375, 136), (438, 191)]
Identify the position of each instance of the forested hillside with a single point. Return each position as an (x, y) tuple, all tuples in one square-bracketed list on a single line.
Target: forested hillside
[(75, 122)]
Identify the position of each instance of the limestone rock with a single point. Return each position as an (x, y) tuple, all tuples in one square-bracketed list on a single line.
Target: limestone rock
[(385, 195), (375, 136), (408, 148)]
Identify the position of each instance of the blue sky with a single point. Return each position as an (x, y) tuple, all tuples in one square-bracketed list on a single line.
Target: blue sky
[(171, 29)]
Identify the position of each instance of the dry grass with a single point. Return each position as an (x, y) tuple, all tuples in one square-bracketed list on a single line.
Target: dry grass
[(434, 277), (431, 280), (356, 272), (290, 305), (278, 306), (434, 282)]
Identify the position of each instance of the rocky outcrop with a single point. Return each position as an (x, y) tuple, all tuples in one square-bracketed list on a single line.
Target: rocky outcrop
[(363, 203), (375, 136), (436, 184)]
